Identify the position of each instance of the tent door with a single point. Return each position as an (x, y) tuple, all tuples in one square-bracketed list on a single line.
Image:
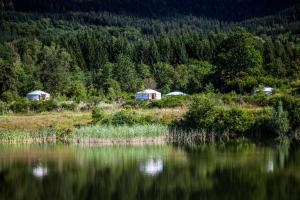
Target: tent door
[(43, 97), (152, 96)]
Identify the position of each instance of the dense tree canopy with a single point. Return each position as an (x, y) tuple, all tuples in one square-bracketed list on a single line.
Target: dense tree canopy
[(82, 54), (220, 9)]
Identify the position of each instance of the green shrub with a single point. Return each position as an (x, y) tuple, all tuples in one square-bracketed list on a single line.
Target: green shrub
[(170, 102), (233, 121), (201, 115), (3, 108), (21, 105), (97, 114), (123, 118), (292, 105), (279, 122), (43, 106), (136, 104), (68, 106), (205, 114)]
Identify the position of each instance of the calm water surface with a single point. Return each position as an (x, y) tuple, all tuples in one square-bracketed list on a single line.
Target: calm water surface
[(243, 171)]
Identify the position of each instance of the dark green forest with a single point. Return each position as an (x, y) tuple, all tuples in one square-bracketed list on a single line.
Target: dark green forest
[(82, 49)]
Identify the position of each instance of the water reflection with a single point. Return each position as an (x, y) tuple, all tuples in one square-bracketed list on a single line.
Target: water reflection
[(40, 171), (236, 171), (152, 166)]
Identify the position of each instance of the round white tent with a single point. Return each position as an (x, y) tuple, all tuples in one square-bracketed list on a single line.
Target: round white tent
[(176, 93), (148, 95), (38, 95)]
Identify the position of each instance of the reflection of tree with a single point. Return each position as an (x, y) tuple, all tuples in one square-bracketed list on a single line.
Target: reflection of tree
[(208, 172)]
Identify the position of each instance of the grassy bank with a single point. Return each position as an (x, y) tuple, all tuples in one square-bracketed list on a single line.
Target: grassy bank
[(94, 134), (122, 132), (71, 119), (202, 119)]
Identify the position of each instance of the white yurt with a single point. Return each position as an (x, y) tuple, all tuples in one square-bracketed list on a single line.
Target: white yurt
[(176, 93), (148, 95), (38, 95), (265, 90)]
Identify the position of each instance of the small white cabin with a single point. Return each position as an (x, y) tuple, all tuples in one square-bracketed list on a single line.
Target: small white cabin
[(148, 95), (38, 95), (266, 90), (176, 93)]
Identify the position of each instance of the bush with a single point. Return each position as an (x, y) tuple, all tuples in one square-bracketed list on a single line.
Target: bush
[(21, 105), (234, 121), (68, 106), (136, 104), (207, 115), (201, 115), (292, 105), (122, 118), (279, 122), (3, 108), (170, 102), (97, 114), (43, 106)]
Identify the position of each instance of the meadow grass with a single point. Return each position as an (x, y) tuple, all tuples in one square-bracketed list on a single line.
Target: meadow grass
[(120, 132), (41, 135), (36, 121)]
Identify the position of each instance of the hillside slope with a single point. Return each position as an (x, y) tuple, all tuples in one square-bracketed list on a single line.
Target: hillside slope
[(225, 10)]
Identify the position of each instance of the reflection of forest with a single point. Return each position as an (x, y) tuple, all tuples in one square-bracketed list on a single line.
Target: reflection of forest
[(239, 171)]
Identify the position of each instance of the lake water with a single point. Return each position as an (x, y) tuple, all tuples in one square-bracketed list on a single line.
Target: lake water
[(236, 171)]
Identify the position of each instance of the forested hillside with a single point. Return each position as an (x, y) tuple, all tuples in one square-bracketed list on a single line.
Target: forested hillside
[(220, 9), (78, 49)]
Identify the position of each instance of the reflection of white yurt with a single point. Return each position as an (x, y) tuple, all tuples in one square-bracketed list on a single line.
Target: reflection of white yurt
[(152, 166), (176, 93), (270, 166), (148, 95), (40, 171)]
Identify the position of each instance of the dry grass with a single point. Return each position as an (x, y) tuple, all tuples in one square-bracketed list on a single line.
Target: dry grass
[(164, 114), (44, 120), (67, 120)]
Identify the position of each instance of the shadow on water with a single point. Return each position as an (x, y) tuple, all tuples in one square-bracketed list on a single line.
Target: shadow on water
[(237, 170)]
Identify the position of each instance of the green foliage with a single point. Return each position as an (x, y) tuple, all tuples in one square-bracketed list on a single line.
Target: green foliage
[(3, 108), (82, 55), (239, 62), (279, 122), (125, 74), (123, 118), (8, 71), (171, 102), (21, 105), (201, 115), (42, 106), (291, 105), (68, 106), (234, 121), (10, 96), (120, 131), (55, 65), (198, 75), (207, 115), (76, 91), (97, 114)]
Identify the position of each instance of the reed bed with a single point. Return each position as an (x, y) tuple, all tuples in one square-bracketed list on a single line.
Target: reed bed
[(183, 137), (32, 136), (119, 132)]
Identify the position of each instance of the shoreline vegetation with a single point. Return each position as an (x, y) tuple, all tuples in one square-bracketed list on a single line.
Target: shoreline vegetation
[(189, 120), (93, 56)]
